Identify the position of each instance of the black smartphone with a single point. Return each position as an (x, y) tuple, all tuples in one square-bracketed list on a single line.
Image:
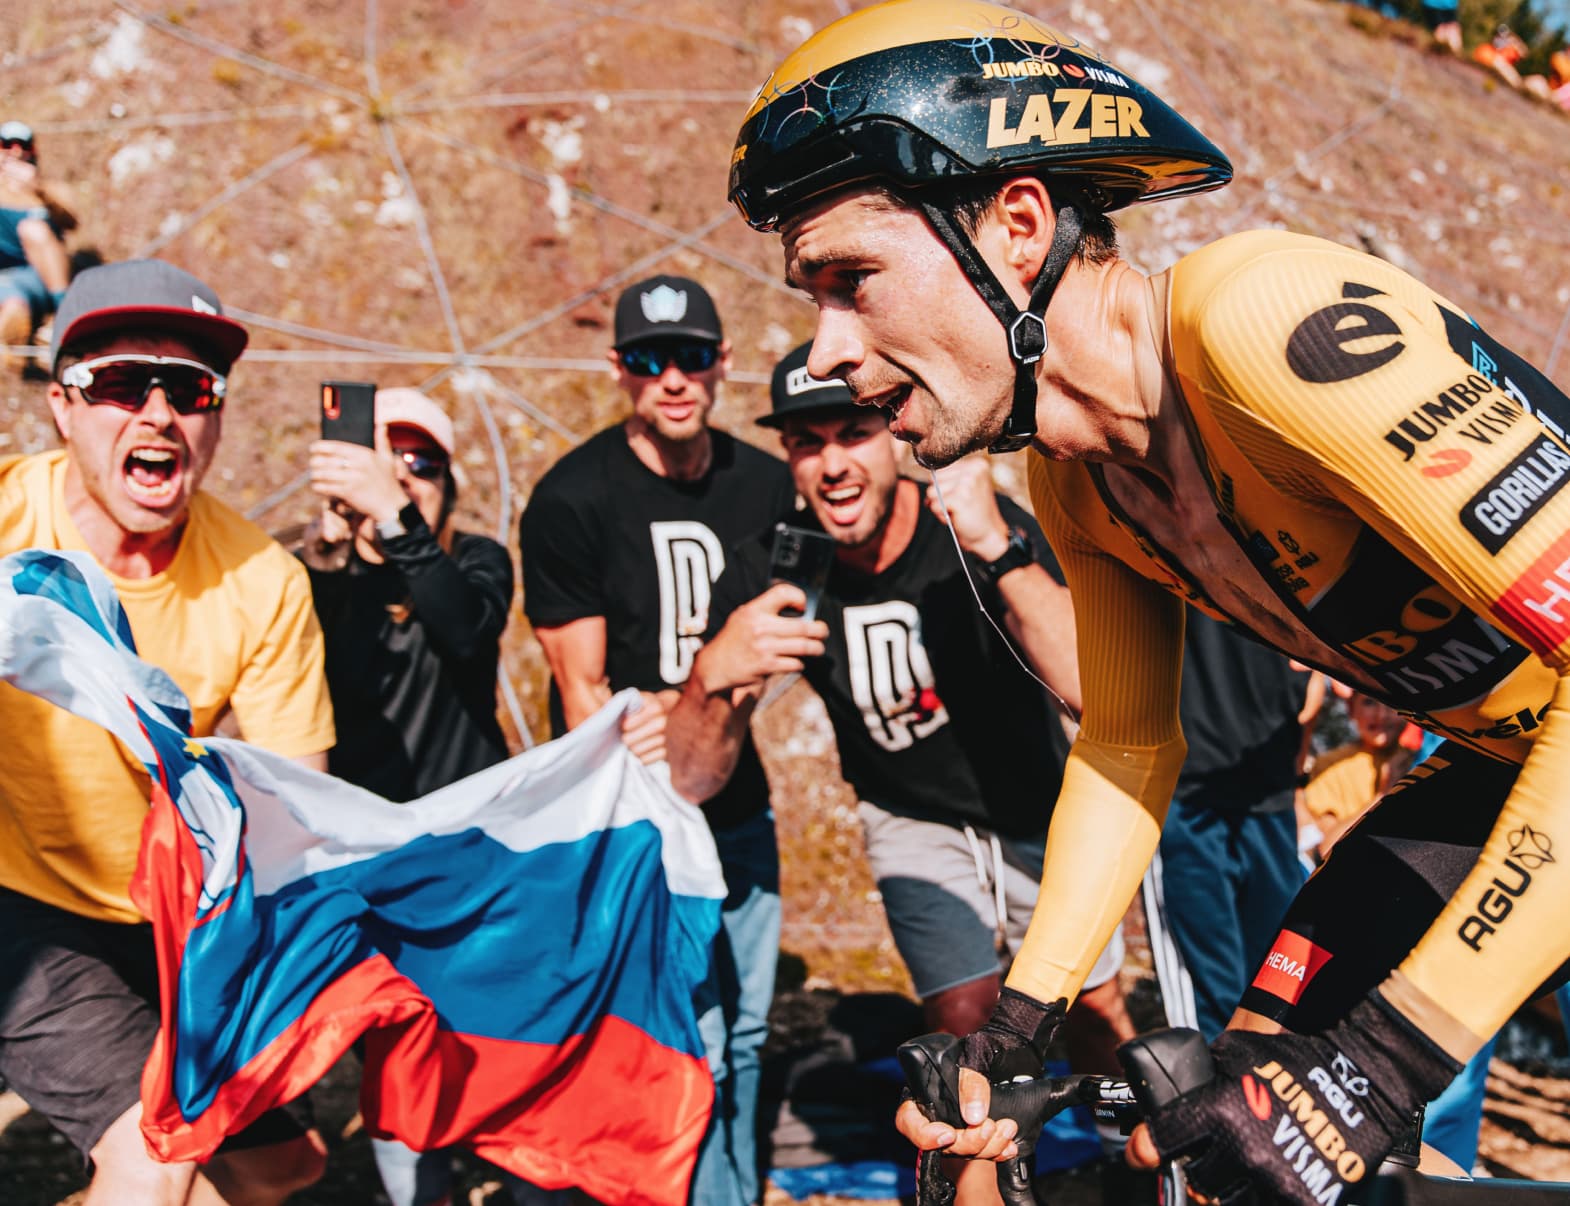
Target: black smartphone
[(349, 412), (803, 557)]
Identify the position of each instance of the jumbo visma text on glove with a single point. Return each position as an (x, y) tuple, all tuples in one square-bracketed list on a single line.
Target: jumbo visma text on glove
[(1302, 1119), (1014, 1040)]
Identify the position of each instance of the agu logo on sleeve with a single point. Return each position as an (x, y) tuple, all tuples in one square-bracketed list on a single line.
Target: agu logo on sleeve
[(1289, 967)]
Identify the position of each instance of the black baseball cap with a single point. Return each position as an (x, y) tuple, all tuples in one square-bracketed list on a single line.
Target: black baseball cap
[(666, 307), (796, 391), (150, 294)]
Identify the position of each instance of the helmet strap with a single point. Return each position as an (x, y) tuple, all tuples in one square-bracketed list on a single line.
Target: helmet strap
[(1027, 328)]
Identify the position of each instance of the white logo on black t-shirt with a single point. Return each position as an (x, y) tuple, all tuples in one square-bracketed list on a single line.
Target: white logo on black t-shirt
[(688, 558), (890, 677)]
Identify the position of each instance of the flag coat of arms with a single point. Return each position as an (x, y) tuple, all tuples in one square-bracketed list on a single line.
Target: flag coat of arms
[(518, 951)]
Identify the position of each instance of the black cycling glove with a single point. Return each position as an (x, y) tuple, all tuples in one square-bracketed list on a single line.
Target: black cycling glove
[(1301, 1119), (1014, 1040)]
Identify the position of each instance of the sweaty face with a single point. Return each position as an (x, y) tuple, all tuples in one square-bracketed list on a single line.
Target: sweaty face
[(674, 405), (140, 468), (844, 465), (900, 324)]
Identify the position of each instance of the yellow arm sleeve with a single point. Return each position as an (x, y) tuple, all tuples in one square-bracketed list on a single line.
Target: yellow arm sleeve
[(1121, 772)]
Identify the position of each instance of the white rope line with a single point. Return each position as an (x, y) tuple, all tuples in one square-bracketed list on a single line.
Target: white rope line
[(256, 510), (698, 31), (284, 327), (271, 168), (14, 62), (1309, 195), (514, 709), (1558, 345), (212, 117), (518, 50), (620, 277), (542, 417), (503, 468), (1195, 78), (373, 81), (1351, 130), (511, 100), (515, 55), (422, 230), (602, 204), (213, 46)]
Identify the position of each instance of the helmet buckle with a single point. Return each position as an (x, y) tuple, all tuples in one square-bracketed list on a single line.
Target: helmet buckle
[(1027, 338)]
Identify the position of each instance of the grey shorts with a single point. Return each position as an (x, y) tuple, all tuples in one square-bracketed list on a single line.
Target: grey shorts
[(941, 890), (78, 1012)]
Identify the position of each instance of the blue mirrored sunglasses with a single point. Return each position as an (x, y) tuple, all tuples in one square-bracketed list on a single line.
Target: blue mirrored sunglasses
[(652, 359)]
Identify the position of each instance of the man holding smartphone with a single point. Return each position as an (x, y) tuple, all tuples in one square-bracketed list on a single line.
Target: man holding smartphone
[(140, 365), (949, 744), (620, 544)]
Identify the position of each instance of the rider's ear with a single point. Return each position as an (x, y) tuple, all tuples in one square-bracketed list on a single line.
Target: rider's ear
[(1023, 212)]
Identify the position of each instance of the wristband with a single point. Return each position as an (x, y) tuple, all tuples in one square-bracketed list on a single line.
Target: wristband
[(1017, 555)]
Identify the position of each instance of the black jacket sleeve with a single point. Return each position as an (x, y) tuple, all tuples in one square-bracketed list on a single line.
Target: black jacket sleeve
[(462, 600)]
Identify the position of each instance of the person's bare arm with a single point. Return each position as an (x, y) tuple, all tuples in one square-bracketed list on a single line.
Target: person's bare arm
[(1039, 613), (315, 762), (705, 730), (575, 652)]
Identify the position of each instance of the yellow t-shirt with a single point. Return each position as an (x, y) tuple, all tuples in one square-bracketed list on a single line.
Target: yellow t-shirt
[(1345, 781), (230, 621)]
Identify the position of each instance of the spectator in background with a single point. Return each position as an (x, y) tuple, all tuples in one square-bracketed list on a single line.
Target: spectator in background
[(954, 751), (620, 544), (1443, 20), (1502, 54), (1349, 778), (412, 613), (1227, 866), (413, 620), (140, 360), (34, 266)]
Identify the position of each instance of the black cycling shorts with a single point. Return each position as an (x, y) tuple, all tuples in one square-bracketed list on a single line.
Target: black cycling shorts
[(1380, 890), (78, 1012)]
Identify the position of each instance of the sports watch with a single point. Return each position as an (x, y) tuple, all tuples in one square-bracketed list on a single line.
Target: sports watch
[(391, 529), (1017, 554)]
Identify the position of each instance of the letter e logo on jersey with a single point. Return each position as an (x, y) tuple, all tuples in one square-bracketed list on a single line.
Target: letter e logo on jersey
[(688, 558), (890, 676), (1343, 340)]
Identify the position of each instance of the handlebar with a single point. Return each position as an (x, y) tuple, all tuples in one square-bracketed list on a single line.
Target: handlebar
[(1160, 1067)]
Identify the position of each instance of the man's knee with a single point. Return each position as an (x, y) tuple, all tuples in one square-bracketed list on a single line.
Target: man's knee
[(963, 1008), (266, 1176), (125, 1171), (36, 236)]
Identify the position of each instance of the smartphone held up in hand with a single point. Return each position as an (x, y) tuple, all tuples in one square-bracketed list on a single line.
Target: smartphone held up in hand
[(802, 557), (349, 412)]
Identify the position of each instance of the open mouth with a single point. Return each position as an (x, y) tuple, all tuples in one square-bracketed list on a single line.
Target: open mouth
[(843, 503), (152, 476)]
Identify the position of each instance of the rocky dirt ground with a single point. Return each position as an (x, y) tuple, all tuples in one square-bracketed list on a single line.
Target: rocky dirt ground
[(450, 193)]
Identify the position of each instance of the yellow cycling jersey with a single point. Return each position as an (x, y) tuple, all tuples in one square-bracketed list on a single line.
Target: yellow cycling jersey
[(1395, 479)]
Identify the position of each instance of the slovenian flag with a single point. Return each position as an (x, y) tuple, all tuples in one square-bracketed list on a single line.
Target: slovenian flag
[(519, 951)]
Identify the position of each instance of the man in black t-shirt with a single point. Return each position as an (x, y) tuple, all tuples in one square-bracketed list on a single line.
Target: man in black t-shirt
[(620, 543), (1227, 867), (955, 751)]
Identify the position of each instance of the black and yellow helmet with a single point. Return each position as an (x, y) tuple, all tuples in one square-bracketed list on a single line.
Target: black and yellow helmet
[(925, 91), (916, 93)]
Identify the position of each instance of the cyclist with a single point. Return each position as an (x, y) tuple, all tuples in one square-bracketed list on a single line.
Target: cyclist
[(1301, 440)]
